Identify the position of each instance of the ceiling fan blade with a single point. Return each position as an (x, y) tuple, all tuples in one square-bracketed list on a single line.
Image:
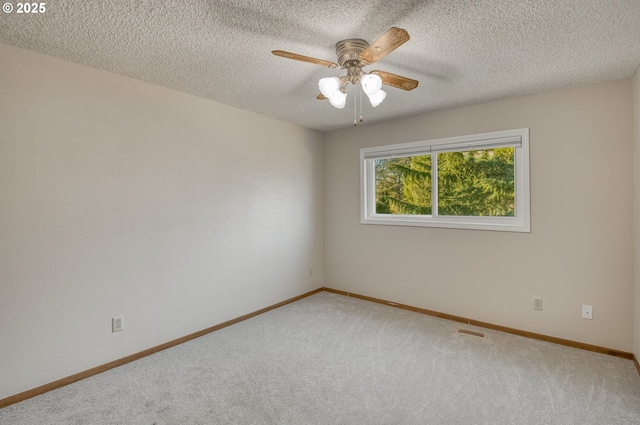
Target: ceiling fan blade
[(321, 97), (396, 81), (388, 42), (302, 58)]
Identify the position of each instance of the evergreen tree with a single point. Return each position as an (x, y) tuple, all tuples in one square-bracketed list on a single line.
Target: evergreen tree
[(473, 183), (403, 185)]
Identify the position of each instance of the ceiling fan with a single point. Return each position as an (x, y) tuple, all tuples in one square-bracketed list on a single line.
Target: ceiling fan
[(354, 54)]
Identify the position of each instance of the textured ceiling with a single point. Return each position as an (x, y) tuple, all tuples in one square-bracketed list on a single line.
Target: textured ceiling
[(461, 51)]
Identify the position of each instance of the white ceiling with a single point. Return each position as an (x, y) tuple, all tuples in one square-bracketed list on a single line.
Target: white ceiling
[(461, 51)]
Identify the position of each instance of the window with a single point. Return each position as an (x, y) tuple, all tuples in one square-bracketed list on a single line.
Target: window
[(469, 182)]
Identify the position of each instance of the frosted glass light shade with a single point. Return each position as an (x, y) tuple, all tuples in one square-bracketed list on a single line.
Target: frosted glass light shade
[(371, 84), (338, 99), (329, 86), (377, 97)]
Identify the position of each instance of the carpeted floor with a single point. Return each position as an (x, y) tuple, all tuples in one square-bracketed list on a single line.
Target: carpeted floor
[(331, 359)]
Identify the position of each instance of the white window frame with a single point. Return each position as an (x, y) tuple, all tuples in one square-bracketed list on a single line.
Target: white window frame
[(518, 138)]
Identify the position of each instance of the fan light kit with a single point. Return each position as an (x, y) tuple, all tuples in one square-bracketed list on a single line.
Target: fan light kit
[(354, 54)]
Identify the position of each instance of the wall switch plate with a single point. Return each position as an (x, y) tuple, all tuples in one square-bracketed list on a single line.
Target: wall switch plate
[(537, 303), (587, 312), (117, 323)]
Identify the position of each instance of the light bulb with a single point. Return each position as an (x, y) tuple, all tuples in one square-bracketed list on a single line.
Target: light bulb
[(329, 86), (371, 84), (377, 97)]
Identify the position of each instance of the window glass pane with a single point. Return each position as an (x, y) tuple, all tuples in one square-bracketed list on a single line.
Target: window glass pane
[(477, 183), (403, 185)]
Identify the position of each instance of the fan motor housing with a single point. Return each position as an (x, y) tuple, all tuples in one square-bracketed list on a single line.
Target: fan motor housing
[(348, 52)]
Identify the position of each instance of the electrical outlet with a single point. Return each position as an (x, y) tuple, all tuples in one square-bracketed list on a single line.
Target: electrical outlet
[(117, 323), (537, 303), (587, 312), (310, 271)]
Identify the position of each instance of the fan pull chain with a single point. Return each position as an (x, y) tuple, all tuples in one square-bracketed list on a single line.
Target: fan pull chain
[(361, 117), (355, 113)]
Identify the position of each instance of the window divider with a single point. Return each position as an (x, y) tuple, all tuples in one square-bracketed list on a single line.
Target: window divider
[(434, 184)]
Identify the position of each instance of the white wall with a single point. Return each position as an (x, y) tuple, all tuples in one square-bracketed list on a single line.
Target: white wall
[(580, 249), (636, 121), (118, 197)]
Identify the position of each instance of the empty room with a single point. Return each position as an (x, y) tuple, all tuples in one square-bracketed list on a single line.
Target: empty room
[(296, 212)]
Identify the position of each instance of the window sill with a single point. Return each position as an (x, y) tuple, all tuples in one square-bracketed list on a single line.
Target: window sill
[(504, 224)]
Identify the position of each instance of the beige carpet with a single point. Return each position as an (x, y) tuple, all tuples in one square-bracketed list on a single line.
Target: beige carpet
[(331, 359)]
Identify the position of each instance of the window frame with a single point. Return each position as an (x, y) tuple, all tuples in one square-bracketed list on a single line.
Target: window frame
[(518, 138)]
